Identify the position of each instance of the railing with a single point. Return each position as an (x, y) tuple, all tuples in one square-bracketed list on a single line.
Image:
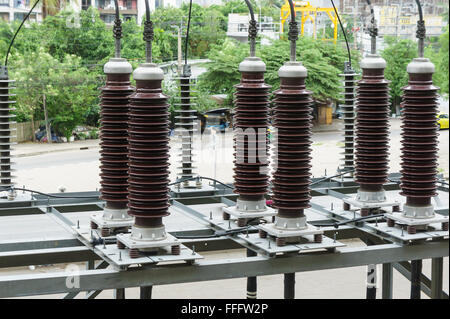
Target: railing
[(123, 5), (22, 4)]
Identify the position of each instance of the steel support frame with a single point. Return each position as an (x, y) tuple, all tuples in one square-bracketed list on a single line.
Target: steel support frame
[(95, 280)]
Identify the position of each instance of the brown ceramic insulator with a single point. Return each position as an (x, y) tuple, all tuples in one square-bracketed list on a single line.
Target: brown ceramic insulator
[(390, 222), (372, 130), (395, 209), (365, 212), (94, 225), (444, 226), (411, 230), (114, 143), (120, 245), (280, 241), (148, 154), (346, 206), (176, 250), (262, 234), (318, 238), (226, 216), (105, 232), (6, 134), (292, 159), (186, 127), (251, 119), (241, 222), (134, 253), (419, 140)]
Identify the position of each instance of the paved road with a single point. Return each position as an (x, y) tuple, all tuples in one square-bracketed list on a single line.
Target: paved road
[(79, 170)]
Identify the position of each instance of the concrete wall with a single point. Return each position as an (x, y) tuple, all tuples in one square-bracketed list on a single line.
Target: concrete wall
[(24, 131)]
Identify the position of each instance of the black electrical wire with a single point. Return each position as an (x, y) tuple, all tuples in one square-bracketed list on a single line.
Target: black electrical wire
[(293, 32), (20, 27), (337, 224), (421, 31), (330, 177), (148, 34), (372, 12), (187, 34), (420, 10), (394, 181), (218, 234), (50, 195), (117, 30), (200, 177), (250, 8), (345, 34), (293, 14)]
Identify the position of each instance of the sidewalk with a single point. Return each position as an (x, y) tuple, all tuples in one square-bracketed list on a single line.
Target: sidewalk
[(33, 149), (338, 126)]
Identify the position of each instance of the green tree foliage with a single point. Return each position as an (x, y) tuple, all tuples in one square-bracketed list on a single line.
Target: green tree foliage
[(70, 89), (323, 60), (440, 58), (208, 27), (398, 54)]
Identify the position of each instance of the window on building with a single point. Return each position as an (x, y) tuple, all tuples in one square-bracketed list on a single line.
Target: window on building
[(4, 3), (85, 4), (108, 18), (159, 3), (19, 16), (129, 17), (106, 4), (130, 4), (4, 16), (21, 4)]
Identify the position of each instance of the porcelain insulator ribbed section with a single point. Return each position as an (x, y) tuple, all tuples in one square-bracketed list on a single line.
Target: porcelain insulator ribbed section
[(185, 128), (348, 118), (149, 154), (292, 159), (250, 136), (419, 140), (114, 140), (6, 132), (372, 130)]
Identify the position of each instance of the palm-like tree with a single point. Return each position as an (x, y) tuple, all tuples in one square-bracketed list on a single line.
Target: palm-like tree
[(51, 7)]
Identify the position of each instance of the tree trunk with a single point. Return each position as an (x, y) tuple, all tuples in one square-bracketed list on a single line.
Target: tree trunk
[(33, 129), (47, 124), (44, 10)]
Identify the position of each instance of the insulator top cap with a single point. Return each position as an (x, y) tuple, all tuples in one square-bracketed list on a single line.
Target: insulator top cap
[(117, 66), (421, 65), (148, 71), (373, 61), (252, 64), (292, 70)]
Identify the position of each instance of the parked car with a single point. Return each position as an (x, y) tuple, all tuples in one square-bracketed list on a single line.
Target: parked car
[(442, 120)]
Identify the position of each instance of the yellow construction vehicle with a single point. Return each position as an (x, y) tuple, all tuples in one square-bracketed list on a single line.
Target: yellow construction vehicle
[(308, 12)]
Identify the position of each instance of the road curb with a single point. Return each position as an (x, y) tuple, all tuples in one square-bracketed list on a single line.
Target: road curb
[(57, 151)]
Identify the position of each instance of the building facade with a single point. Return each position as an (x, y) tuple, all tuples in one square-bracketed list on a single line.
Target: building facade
[(12, 10)]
